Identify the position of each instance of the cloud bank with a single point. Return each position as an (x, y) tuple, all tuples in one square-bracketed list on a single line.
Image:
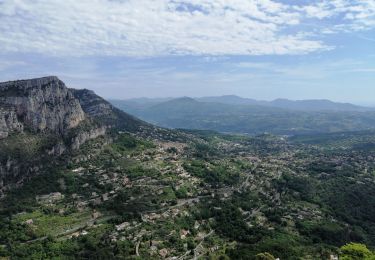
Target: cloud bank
[(152, 28)]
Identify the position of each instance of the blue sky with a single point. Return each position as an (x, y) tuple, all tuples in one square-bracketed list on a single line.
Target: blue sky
[(263, 49)]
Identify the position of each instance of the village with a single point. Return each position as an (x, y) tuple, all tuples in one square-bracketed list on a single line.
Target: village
[(148, 194)]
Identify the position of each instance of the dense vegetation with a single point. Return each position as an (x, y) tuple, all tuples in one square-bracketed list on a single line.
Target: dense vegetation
[(198, 193)]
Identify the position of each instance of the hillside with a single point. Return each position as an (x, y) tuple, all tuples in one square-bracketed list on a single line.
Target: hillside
[(41, 118), (96, 183), (232, 114)]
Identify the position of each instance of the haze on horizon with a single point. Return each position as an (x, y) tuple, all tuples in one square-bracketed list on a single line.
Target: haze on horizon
[(171, 48)]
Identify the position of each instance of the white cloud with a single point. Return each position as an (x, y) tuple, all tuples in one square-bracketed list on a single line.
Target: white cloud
[(347, 15), (140, 28)]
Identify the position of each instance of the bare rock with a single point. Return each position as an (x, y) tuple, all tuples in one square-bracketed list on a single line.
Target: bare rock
[(41, 104)]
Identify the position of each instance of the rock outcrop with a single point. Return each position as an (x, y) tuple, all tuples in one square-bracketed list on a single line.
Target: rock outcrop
[(46, 109), (92, 104), (83, 137), (46, 119), (43, 104), (9, 122)]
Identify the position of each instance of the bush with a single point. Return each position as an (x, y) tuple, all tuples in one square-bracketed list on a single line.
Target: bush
[(264, 256), (354, 251)]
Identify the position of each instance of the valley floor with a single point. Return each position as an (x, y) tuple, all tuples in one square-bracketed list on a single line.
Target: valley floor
[(199, 196)]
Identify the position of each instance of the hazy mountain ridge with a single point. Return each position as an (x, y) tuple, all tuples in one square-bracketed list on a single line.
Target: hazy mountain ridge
[(317, 105), (238, 115), (303, 105)]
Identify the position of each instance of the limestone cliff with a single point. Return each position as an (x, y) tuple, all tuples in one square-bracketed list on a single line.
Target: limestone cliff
[(9, 122), (103, 112), (43, 104), (92, 104), (41, 119)]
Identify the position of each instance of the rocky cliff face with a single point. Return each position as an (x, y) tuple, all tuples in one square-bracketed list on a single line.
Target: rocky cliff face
[(103, 112), (41, 119), (9, 121), (43, 104), (92, 104), (83, 137)]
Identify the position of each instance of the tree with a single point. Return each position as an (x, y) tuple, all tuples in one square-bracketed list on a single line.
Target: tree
[(264, 256), (356, 251)]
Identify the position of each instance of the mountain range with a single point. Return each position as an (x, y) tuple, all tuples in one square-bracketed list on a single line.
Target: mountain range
[(240, 115), (303, 105), (81, 179)]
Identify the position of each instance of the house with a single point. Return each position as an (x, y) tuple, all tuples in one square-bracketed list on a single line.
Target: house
[(50, 198), (122, 226), (163, 252), (184, 233), (105, 197), (29, 222)]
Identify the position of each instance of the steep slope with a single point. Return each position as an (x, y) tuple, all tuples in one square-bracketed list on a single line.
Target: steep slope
[(104, 112), (9, 121), (41, 118), (43, 104)]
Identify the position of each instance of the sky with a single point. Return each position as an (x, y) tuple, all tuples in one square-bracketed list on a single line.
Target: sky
[(262, 49)]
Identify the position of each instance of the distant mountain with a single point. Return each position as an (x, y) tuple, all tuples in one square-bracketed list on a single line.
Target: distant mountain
[(316, 105), (137, 103), (239, 115), (299, 105), (181, 100), (232, 100), (305, 105)]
